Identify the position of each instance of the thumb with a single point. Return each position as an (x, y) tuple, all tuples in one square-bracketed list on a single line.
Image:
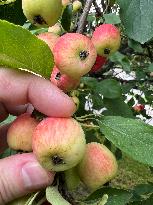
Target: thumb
[(21, 174)]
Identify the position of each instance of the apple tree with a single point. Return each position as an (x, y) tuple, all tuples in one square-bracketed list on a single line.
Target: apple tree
[(113, 91)]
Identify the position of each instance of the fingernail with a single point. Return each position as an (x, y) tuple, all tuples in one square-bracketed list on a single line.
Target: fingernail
[(35, 177)]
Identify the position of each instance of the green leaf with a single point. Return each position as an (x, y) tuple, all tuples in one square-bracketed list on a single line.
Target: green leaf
[(20, 49), (115, 196), (67, 17), (8, 152), (8, 120), (137, 18), (91, 18), (54, 197), (12, 11), (148, 201), (132, 136), (135, 45), (109, 88), (112, 18), (150, 68), (90, 82), (121, 59), (140, 75), (117, 107), (143, 189)]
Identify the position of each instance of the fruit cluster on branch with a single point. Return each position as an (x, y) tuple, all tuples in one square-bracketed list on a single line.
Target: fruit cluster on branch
[(59, 144)]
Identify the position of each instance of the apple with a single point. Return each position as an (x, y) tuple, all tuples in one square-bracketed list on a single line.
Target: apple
[(58, 143), (138, 107), (49, 38), (19, 135), (106, 39), (42, 13), (63, 81), (74, 54), (77, 5), (57, 29), (65, 3), (98, 166), (100, 61)]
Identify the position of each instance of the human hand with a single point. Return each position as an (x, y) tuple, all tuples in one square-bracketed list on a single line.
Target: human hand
[(21, 174)]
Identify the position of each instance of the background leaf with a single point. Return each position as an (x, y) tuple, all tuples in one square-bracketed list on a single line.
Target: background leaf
[(133, 137), (115, 196), (109, 88), (67, 17), (112, 18), (137, 18), (117, 107), (12, 12)]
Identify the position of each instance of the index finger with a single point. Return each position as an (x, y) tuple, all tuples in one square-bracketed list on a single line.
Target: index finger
[(18, 88)]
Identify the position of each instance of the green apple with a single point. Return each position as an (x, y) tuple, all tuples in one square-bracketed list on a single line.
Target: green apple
[(42, 13)]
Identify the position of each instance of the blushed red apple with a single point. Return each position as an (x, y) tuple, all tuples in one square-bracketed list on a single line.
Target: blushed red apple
[(49, 38), (57, 29), (106, 39), (98, 166), (74, 54), (58, 143), (100, 61), (19, 135), (63, 81)]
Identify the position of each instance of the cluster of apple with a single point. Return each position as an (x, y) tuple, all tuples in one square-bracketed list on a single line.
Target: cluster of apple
[(59, 145), (75, 54)]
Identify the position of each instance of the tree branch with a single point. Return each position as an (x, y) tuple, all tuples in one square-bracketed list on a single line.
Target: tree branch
[(82, 21)]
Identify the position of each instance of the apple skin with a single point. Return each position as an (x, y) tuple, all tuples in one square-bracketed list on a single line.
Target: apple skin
[(57, 29), (49, 38), (65, 3), (138, 108), (58, 143), (63, 81), (98, 166), (74, 54), (77, 5), (42, 13), (19, 135), (100, 61), (106, 39)]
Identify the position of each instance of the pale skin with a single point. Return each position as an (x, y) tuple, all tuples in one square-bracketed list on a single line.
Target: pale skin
[(19, 93)]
